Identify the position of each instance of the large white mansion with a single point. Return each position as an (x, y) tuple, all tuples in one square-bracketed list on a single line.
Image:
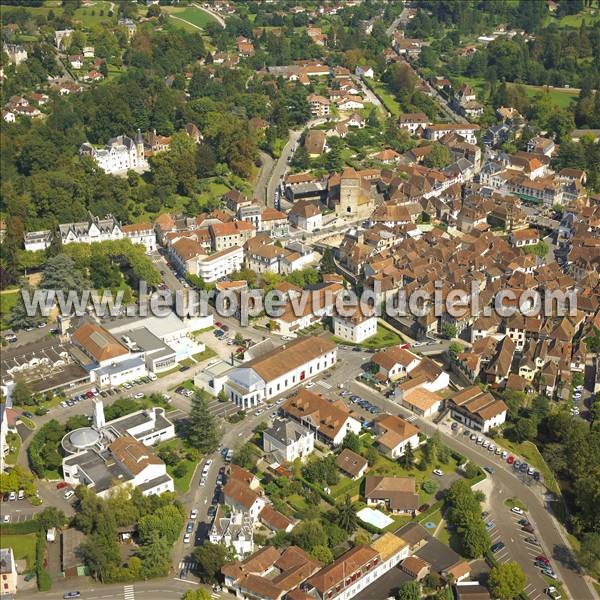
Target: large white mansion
[(120, 154)]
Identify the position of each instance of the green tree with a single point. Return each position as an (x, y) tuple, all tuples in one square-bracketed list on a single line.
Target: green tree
[(438, 157), (454, 350), (155, 555), (372, 455), (210, 558), (197, 594), (60, 274), (345, 515), (589, 554), (166, 521), (308, 535), (322, 554), (449, 330), (352, 442), (244, 457), (507, 581), (22, 394), (409, 590), (51, 517), (408, 458), (19, 317), (202, 432), (301, 159), (327, 262)]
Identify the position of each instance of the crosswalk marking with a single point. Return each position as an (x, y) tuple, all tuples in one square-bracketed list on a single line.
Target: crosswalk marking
[(128, 592), (187, 564), (324, 384), (411, 418)]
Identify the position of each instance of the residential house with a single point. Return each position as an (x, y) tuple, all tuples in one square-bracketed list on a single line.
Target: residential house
[(8, 571), (477, 409), (315, 142), (228, 235), (394, 434), (288, 440), (351, 464), (394, 362), (330, 421), (306, 215), (414, 123), (398, 495), (422, 402), (319, 105), (524, 237), (242, 499)]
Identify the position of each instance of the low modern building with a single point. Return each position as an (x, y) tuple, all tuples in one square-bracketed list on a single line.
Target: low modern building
[(115, 453), (280, 370), (287, 440)]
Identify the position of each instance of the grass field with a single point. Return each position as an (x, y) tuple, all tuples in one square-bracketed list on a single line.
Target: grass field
[(23, 547), (87, 19), (195, 16), (589, 16), (8, 299), (561, 98), (386, 97), (202, 356), (182, 484), (382, 339), (15, 444)]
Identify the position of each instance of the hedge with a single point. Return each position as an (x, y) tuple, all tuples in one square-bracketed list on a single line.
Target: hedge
[(44, 581), (22, 528)]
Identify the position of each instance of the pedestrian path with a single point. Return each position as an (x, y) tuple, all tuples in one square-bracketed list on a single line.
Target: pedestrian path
[(128, 592)]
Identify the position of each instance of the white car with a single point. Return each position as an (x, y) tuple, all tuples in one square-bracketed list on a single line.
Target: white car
[(504, 454), (309, 385), (516, 510), (69, 494), (579, 388), (139, 395), (193, 514), (208, 463), (203, 482), (6, 518), (152, 377), (187, 538), (259, 412), (485, 444), (438, 472)]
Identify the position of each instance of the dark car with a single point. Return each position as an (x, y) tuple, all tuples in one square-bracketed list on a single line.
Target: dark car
[(523, 468), (536, 475), (185, 368), (541, 558), (532, 540), (454, 426), (72, 595), (225, 327), (528, 528), (356, 349), (497, 547), (27, 414), (212, 511), (189, 528), (524, 522)]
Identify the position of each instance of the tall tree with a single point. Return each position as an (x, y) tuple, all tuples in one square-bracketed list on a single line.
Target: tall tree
[(345, 517), (507, 581), (202, 432)]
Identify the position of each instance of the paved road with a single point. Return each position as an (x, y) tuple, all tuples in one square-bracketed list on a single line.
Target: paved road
[(260, 187), (548, 530)]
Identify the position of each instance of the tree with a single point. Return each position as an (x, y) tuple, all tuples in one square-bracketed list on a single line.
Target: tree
[(244, 457), (308, 535), (322, 554), (408, 458), (438, 157), (409, 590), (301, 159), (202, 432), (327, 262), (371, 454), (589, 554), (345, 516), (22, 394), (51, 517), (210, 558), (449, 330), (167, 521), (540, 249), (352, 442), (60, 274), (155, 554), (454, 350), (19, 317), (507, 581)]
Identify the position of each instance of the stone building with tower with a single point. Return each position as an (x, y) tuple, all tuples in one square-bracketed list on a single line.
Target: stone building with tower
[(121, 154), (351, 194)]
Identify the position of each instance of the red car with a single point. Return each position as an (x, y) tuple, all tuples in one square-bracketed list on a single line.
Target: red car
[(218, 324), (239, 350), (405, 346), (510, 460), (61, 485), (89, 394), (543, 559)]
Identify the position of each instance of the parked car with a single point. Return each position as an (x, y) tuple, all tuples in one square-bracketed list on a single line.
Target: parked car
[(510, 460), (497, 547), (516, 510), (454, 426), (490, 470), (187, 538), (69, 494), (61, 485), (193, 514), (528, 529), (72, 595), (189, 528), (553, 593), (438, 472)]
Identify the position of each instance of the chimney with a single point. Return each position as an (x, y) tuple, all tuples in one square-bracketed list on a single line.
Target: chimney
[(98, 416)]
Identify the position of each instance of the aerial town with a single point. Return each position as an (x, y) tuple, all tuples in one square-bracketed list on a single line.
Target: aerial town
[(299, 300)]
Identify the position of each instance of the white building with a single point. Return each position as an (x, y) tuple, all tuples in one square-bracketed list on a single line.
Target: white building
[(37, 240), (8, 572), (280, 370), (233, 531), (212, 267), (116, 453), (16, 54), (356, 328), (141, 233), (120, 154), (94, 229), (288, 440), (467, 131)]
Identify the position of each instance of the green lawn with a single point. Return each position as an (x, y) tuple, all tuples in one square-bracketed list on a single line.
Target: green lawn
[(205, 355), (182, 484), (386, 97), (8, 299), (531, 454), (192, 15), (346, 486), (382, 339), (88, 20), (15, 445), (169, 372), (589, 16), (560, 97), (23, 547)]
